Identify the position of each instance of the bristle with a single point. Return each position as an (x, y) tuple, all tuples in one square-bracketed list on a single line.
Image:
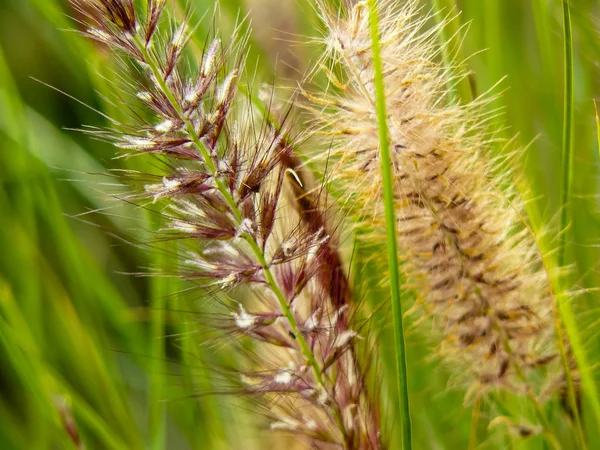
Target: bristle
[(468, 256)]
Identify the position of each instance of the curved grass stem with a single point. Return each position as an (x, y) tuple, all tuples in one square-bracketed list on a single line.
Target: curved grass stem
[(390, 221)]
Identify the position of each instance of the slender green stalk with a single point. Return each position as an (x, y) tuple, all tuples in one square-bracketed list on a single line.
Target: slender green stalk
[(390, 220), (159, 291), (597, 124), (564, 307), (460, 90), (567, 150)]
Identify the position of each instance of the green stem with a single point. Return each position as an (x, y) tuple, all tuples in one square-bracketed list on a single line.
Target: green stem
[(258, 253), (597, 124), (390, 220), (567, 150), (564, 307)]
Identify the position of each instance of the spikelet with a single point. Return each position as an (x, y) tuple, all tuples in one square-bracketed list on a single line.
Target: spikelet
[(220, 182), (471, 261)]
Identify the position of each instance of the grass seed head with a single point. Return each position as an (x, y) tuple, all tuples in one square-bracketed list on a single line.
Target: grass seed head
[(219, 184), (467, 253)]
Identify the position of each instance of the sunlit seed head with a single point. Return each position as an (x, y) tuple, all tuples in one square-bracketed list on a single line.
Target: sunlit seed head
[(288, 246), (344, 338), (192, 95), (210, 58), (186, 208), (317, 240), (180, 36), (311, 424), (283, 377), (183, 226), (246, 227), (164, 126), (136, 143), (313, 321), (99, 34), (227, 87), (200, 263), (171, 183), (348, 416), (285, 424), (223, 166), (249, 381), (229, 281), (145, 96), (167, 187), (323, 396), (243, 319)]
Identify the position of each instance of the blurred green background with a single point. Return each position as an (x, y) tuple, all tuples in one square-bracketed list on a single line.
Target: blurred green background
[(80, 339)]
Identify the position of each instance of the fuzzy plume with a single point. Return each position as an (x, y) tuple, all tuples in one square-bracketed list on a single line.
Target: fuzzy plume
[(220, 182), (468, 255)]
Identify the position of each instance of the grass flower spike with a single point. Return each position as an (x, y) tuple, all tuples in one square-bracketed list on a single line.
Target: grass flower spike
[(472, 262), (220, 183)]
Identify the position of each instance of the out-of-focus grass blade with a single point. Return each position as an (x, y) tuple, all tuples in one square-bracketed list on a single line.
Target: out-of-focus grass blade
[(20, 171), (564, 307), (597, 124), (160, 287), (447, 16), (44, 382)]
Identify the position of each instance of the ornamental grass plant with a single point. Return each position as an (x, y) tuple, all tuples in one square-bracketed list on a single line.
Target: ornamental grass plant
[(373, 227)]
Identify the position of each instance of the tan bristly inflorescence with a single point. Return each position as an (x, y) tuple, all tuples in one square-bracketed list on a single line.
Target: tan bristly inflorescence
[(219, 180), (467, 253)]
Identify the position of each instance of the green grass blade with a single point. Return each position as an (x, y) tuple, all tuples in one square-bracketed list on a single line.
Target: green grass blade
[(390, 220), (449, 21), (564, 307), (159, 290), (570, 322), (568, 122), (597, 124)]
